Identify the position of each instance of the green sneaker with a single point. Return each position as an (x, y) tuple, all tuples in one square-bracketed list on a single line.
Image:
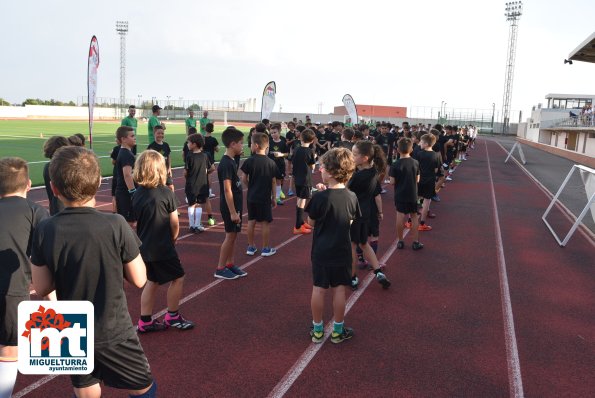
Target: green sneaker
[(341, 337), (317, 337), (211, 221)]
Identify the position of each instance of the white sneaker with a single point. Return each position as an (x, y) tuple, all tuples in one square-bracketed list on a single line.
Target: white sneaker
[(449, 178), (200, 228), (211, 195)]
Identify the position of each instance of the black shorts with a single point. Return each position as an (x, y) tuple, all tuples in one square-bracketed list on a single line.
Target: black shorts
[(114, 183), (260, 212), (164, 271), (230, 226), (124, 205), (326, 277), (9, 326), (426, 189), (122, 366), (303, 191), (359, 231), (406, 207), (201, 197), (280, 170)]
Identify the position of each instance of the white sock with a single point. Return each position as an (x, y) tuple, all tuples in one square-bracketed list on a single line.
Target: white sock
[(197, 216), (191, 216), (8, 377), (278, 192)]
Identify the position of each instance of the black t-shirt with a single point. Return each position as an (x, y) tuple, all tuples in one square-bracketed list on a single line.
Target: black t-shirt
[(162, 149), (333, 210), (290, 136), (280, 146), (185, 151), (303, 159), (152, 208), (415, 151), (19, 218), (228, 170), (260, 170), (85, 251), (429, 161), (210, 144), (56, 204), (386, 142), (363, 185), (442, 140), (125, 158), (197, 167), (405, 172)]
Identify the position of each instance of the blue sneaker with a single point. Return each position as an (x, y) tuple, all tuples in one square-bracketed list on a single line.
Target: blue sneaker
[(240, 273), (251, 250), (225, 273), (290, 193), (268, 251)]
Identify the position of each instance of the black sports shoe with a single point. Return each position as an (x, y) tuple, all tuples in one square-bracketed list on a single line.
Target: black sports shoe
[(382, 279), (354, 283), (317, 337), (147, 327), (400, 244), (417, 245), (341, 337)]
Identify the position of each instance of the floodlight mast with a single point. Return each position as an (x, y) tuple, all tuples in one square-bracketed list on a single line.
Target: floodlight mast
[(122, 29), (513, 12)]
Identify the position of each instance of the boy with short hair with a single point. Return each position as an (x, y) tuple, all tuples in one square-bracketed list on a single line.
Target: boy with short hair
[(163, 148), (278, 151), (303, 162), (154, 121), (429, 164), (19, 218), (85, 254), (197, 168), (331, 212), (49, 147), (404, 175), (190, 121), (346, 139), (211, 146), (259, 175), (231, 203), (125, 186)]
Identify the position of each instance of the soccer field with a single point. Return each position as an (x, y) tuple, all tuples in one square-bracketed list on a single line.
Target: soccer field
[(25, 139)]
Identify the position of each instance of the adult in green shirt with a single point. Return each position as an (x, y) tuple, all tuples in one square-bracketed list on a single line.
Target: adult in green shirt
[(154, 121), (191, 121), (131, 121), (204, 121)]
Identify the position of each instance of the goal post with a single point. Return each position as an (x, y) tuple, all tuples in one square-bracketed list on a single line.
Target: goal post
[(588, 178)]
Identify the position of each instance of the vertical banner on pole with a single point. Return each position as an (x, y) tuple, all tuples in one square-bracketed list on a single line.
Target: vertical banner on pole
[(268, 100), (350, 107), (93, 64)]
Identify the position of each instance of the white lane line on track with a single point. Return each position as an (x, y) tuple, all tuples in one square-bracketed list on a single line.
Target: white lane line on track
[(515, 381)]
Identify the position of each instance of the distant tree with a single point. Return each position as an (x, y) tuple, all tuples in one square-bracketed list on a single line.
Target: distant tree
[(70, 103), (194, 107), (3, 102)]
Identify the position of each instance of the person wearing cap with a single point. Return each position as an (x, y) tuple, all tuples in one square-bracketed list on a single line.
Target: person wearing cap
[(204, 121), (154, 121), (131, 121)]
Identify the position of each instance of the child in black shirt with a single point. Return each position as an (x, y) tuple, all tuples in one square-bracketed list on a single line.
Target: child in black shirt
[(259, 173), (303, 162), (197, 168), (429, 164), (231, 203), (331, 212), (50, 146), (211, 146), (85, 255), (124, 164), (158, 228), (19, 218), (278, 151), (163, 148), (404, 175)]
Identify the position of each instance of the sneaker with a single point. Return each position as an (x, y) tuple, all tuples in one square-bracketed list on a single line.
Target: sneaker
[(383, 191), (457, 161), (302, 230), (362, 263), (192, 230), (417, 245), (251, 250), (424, 228), (383, 280), (307, 225), (408, 225), (354, 283), (431, 215), (280, 203), (341, 337), (225, 273), (314, 190), (268, 251), (211, 195), (317, 337), (290, 193), (400, 244), (178, 322), (387, 181), (282, 195), (238, 271), (436, 198), (449, 178), (153, 326), (445, 165), (211, 221), (199, 228)]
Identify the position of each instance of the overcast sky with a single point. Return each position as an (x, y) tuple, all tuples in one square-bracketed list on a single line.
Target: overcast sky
[(383, 52)]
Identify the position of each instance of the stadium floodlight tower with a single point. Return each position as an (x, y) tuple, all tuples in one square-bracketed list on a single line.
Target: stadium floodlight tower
[(122, 29), (514, 10)]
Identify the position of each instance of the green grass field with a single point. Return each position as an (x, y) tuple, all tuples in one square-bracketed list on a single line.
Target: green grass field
[(25, 138)]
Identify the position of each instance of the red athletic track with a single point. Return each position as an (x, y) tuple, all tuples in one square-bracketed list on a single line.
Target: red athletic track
[(438, 331)]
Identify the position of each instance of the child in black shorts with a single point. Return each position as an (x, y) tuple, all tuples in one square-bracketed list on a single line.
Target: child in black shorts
[(124, 164), (158, 228), (211, 146), (278, 151), (86, 255), (19, 218), (404, 175), (197, 168), (231, 203), (331, 212), (429, 164), (259, 174), (303, 161)]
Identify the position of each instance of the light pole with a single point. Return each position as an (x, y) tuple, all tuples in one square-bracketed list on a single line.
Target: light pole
[(140, 101), (514, 10), (493, 112), (168, 106), (440, 113), (444, 111), (122, 29)]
